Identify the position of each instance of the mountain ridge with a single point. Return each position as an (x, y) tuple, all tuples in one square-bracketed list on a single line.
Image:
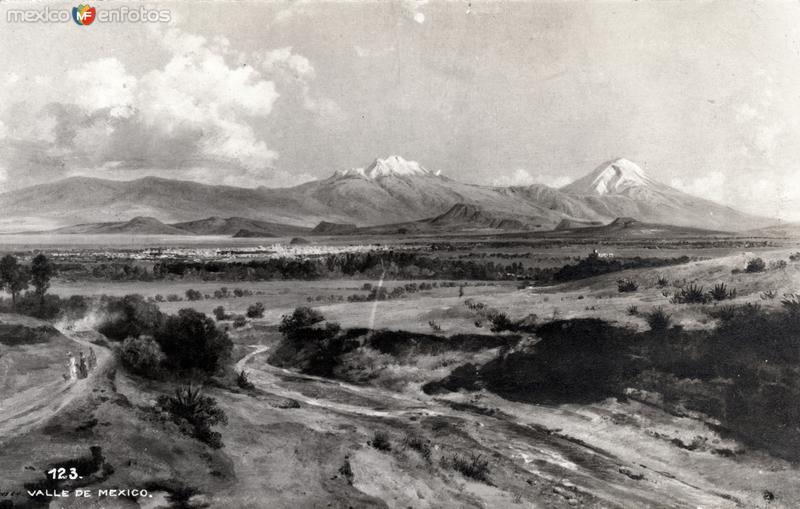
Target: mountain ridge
[(388, 191)]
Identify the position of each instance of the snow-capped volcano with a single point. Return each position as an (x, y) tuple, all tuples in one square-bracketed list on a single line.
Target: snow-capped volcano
[(615, 177), (391, 166)]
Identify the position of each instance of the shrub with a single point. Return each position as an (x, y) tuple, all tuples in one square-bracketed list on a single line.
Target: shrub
[(191, 340), (419, 444), (777, 265), (690, 294), (243, 381), (129, 316), (380, 441), (657, 319), (755, 265), (627, 285), (769, 295), (721, 292), (723, 313), (239, 321), (435, 327), (366, 287), (238, 292), (501, 322), (633, 310), (141, 355), (794, 257), (193, 295), (190, 406), (159, 298), (302, 317), (662, 282), (173, 298), (219, 313), (791, 303), (256, 310), (474, 466)]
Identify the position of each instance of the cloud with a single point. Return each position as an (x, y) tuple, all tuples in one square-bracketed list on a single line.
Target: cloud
[(711, 186), (202, 111), (291, 68), (521, 177)]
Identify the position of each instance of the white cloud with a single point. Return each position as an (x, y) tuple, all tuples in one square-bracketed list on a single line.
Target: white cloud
[(283, 59), (201, 109), (711, 186), (521, 177)]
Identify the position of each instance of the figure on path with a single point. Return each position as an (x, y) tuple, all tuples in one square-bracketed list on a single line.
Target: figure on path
[(72, 368), (83, 371), (92, 359)]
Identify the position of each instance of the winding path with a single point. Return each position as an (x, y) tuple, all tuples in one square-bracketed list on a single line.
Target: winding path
[(26, 411)]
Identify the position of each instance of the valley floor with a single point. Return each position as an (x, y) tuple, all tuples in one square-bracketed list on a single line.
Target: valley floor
[(298, 441)]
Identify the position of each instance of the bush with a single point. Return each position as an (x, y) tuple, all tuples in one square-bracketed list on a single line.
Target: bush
[(721, 292), (191, 341), (219, 313), (302, 317), (633, 310), (722, 313), (189, 406), (419, 444), (159, 298), (129, 316), (435, 327), (239, 321), (769, 295), (662, 282), (380, 441), (778, 265), (501, 322), (691, 294), (657, 319), (256, 310), (473, 466), (173, 298), (243, 381), (627, 285), (791, 303), (755, 265), (367, 287), (142, 355), (193, 295)]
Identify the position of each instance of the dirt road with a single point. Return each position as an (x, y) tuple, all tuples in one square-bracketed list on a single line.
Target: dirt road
[(34, 407)]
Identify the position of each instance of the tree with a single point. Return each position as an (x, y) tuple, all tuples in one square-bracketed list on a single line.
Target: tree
[(41, 273), (13, 277), (130, 316), (191, 340), (302, 317), (256, 310)]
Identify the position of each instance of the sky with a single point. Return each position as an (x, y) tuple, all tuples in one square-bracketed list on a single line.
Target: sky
[(704, 96)]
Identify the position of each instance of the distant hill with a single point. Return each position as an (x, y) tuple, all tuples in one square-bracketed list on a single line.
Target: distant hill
[(249, 234), (782, 230), (234, 225), (326, 228), (628, 227), (136, 226), (389, 191)]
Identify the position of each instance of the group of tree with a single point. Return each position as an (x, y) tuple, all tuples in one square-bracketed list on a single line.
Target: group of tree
[(16, 277), (188, 342)]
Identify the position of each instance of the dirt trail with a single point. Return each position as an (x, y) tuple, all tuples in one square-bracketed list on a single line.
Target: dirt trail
[(552, 457), (25, 411)]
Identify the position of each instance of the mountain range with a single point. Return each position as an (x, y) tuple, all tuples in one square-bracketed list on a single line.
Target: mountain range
[(390, 191)]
